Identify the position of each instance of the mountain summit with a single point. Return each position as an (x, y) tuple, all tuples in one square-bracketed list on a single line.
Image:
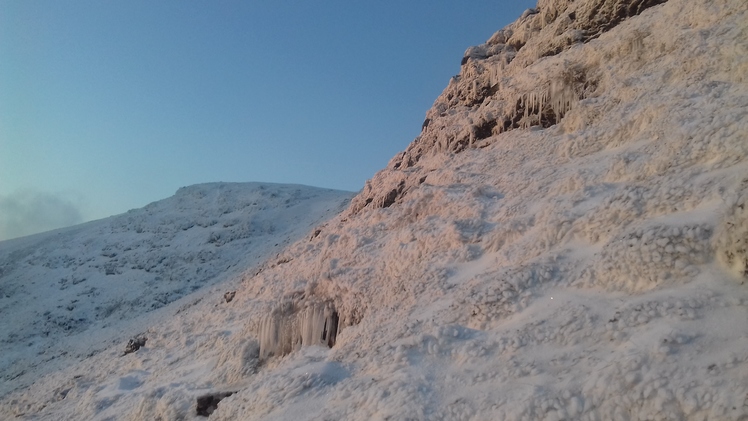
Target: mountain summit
[(565, 240)]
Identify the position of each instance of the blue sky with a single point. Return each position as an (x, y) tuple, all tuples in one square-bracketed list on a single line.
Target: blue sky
[(107, 106)]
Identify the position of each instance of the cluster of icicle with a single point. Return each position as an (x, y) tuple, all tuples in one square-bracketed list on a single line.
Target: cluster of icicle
[(559, 95), (294, 324)]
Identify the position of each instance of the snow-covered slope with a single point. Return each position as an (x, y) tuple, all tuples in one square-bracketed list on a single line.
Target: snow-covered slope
[(566, 240), (72, 292)]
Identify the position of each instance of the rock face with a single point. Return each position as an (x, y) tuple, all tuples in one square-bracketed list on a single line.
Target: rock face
[(489, 97)]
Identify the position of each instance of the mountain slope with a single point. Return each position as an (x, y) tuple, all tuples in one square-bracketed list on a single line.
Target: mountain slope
[(75, 290), (564, 241)]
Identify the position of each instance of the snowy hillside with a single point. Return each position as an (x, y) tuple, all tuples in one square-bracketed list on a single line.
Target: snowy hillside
[(77, 290), (566, 240)]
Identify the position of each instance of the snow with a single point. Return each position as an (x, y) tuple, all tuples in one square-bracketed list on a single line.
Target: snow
[(587, 268), (72, 292)]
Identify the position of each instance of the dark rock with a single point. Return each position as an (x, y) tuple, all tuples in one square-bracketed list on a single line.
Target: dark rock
[(135, 344), (330, 333), (228, 296), (485, 130), (607, 14), (207, 404), (390, 198), (315, 234)]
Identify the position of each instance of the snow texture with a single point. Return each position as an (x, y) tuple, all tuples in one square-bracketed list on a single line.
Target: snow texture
[(108, 275), (532, 255)]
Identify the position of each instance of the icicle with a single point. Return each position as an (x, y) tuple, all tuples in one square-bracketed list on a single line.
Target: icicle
[(533, 102), (562, 98), (289, 327)]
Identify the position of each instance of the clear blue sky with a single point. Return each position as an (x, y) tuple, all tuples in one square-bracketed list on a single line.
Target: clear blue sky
[(106, 106)]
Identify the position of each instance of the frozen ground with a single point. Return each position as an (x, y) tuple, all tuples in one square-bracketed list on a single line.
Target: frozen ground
[(70, 293), (566, 240)]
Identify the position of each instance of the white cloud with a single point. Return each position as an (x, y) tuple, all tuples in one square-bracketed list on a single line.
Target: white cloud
[(27, 212)]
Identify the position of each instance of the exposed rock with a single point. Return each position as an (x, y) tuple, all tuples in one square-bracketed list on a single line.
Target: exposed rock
[(485, 89), (135, 344), (207, 404)]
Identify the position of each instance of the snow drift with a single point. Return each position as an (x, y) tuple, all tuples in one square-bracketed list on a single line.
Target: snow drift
[(565, 240)]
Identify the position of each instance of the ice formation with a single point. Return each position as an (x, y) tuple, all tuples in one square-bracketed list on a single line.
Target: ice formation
[(548, 105), (292, 325)]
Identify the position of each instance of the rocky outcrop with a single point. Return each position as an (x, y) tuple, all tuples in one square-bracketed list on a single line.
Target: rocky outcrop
[(207, 404), (492, 93), (135, 344)]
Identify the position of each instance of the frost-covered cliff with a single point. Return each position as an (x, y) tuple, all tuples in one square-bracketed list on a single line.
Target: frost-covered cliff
[(534, 71), (565, 240)]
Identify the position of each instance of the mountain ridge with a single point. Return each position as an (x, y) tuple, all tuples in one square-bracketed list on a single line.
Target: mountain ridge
[(104, 273)]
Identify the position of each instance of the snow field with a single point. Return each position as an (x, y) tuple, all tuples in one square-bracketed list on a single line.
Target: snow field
[(69, 294)]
